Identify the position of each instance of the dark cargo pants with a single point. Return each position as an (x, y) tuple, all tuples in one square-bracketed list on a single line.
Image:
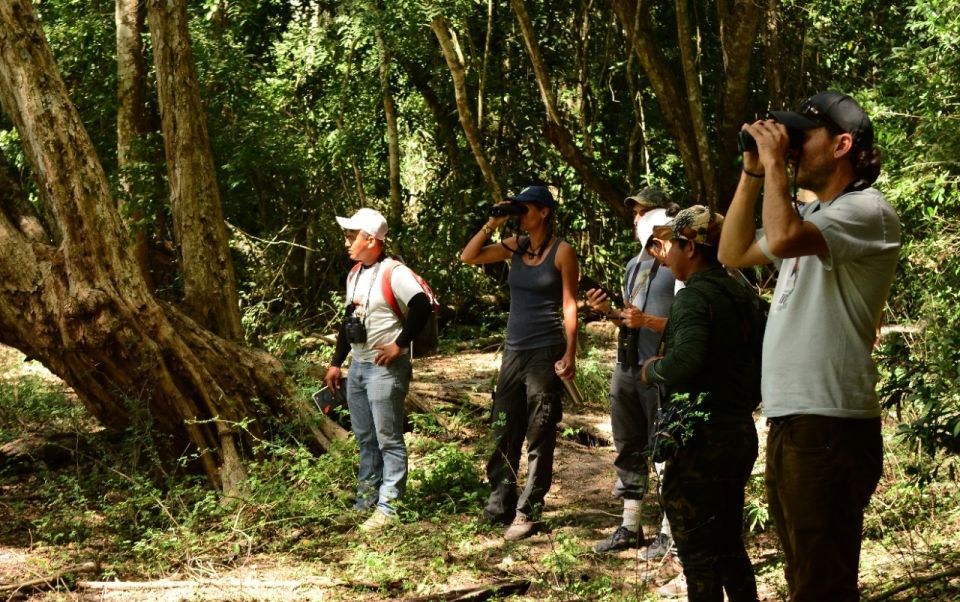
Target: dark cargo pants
[(820, 474), (703, 497), (527, 405)]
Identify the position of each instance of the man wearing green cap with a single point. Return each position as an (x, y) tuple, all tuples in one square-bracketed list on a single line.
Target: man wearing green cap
[(647, 293)]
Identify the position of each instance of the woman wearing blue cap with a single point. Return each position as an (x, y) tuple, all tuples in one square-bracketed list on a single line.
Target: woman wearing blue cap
[(540, 349)]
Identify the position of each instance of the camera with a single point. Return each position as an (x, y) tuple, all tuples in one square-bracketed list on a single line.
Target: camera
[(627, 352), (746, 143), (507, 209), (355, 330)]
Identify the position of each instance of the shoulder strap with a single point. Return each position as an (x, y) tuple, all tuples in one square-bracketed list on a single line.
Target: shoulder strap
[(352, 278), (386, 288)]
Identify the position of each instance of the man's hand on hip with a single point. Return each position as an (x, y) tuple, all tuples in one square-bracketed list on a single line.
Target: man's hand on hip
[(388, 353)]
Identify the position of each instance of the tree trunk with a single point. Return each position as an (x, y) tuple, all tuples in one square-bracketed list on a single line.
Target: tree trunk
[(774, 72), (638, 28), (454, 58), (446, 124), (344, 99), (15, 206), (706, 189), (131, 122), (556, 132), (739, 22), (393, 136), (83, 309), (487, 45), (210, 290)]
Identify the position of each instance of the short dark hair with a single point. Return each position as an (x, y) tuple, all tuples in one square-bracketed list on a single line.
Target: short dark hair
[(708, 252)]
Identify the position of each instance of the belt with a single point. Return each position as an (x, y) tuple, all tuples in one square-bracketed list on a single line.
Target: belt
[(782, 420)]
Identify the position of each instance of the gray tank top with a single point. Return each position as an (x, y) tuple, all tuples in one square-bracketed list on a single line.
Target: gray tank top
[(536, 298)]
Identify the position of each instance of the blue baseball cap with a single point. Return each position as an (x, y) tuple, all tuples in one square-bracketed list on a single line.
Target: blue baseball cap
[(534, 194)]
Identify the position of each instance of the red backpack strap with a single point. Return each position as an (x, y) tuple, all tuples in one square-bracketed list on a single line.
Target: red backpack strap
[(386, 288)]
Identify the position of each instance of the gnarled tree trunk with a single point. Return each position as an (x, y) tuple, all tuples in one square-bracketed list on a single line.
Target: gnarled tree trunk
[(82, 307)]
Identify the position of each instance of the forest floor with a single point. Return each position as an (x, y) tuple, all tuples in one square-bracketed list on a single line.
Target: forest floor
[(433, 559)]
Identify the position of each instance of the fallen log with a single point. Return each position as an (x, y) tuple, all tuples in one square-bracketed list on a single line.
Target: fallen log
[(49, 582), (480, 592), (914, 582)]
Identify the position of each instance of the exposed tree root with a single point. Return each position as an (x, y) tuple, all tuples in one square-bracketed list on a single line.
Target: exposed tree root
[(914, 582)]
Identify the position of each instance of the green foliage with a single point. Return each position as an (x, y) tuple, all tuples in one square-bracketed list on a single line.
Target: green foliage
[(677, 423), (756, 512), (918, 114), (31, 401), (594, 370), (445, 481)]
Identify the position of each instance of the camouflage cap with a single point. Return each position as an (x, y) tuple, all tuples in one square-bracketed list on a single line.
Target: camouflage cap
[(650, 197), (696, 224)]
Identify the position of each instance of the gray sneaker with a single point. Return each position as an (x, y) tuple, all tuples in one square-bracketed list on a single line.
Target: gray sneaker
[(661, 545), (622, 539)]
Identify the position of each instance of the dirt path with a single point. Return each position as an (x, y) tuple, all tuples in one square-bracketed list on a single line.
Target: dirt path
[(580, 510)]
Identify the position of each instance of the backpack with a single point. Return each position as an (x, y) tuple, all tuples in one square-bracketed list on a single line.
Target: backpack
[(751, 322), (426, 342)]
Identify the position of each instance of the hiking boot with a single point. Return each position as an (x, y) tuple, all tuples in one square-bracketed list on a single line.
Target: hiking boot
[(661, 545), (622, 539), (378, 521), (676, 588), (521, 528)]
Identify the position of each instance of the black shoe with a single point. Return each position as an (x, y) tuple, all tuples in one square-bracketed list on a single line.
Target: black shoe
[(661, 545), (488, 518), (622, 539)]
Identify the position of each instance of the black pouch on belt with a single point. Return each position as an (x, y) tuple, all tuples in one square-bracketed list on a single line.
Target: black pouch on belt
[(627, 340)]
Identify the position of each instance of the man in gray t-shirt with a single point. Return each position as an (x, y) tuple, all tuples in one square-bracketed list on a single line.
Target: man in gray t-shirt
[(836, 259)]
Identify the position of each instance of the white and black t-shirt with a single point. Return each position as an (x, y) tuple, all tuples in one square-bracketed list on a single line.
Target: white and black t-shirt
[(365, 291)]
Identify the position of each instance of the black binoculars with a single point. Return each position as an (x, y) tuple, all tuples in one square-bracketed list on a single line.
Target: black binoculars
[(507, 209), (354, 329), (746, 143)]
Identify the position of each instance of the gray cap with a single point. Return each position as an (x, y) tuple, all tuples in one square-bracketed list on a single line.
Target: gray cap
[(650, 197)]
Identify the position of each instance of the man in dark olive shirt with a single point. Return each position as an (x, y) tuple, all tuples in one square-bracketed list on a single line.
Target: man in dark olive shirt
[(710, 373)]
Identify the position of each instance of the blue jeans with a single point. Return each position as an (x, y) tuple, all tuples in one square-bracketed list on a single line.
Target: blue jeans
[(375, 397)]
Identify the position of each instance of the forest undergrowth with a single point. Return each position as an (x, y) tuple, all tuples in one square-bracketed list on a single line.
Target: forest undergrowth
[(79, 506)]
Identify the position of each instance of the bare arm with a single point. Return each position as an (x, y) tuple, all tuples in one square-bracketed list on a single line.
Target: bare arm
[(788, 235), (477, 252), (738, 246), (566, 262)]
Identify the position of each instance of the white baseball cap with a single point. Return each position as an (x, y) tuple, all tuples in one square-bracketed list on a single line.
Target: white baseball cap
[(366, 220), (645, 225)]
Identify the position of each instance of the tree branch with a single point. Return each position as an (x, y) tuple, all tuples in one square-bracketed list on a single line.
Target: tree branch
[(454, 58)]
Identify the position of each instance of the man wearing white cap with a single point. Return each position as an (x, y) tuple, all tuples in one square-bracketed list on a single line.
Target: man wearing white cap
[(648, 294), (380, 370)]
